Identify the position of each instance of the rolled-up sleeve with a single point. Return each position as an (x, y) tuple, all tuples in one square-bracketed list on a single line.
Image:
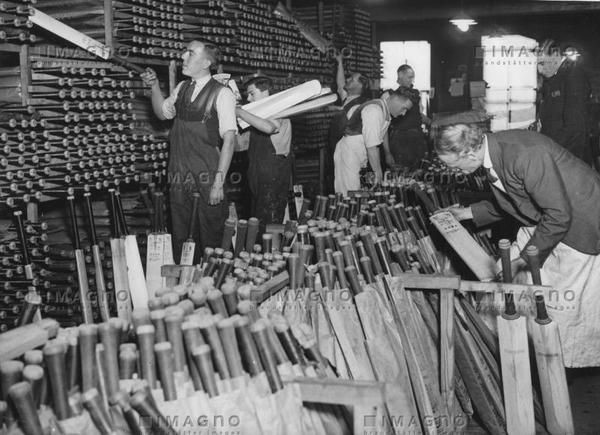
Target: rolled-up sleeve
[(226, 110), (372, 125), (168, 106)]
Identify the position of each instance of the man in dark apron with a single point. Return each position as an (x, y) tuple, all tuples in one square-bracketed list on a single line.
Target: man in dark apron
[(269, 161), (202, 141)]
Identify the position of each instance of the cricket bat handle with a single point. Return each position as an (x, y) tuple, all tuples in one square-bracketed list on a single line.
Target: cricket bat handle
[(164, 357), (203, 360), (260, 334), (22, 399), (109, 337), (100, 285), (55, 363), (248, 349), (91, 402), (251, 234), (142, 404)]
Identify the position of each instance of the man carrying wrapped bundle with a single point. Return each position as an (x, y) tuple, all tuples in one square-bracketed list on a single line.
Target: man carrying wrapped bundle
[(269, 161), (556, 198), (202, 143)]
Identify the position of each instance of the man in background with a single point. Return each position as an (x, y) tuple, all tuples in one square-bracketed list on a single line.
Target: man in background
[(408, 145), (365, 132), (353, 90), (563, 110)]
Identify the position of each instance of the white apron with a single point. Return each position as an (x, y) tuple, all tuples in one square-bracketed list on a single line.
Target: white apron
[(574, 304), (349, 157)]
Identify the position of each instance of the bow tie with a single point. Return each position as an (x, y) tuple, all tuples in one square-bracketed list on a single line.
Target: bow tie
[(490, 177)]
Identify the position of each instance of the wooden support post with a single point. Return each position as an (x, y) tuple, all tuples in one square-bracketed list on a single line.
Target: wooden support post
[(447, 350), (366, 397)]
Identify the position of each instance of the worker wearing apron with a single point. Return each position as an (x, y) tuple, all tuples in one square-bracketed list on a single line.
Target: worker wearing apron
[(556, 198), (202, 142), (269, 160), (365, 132)]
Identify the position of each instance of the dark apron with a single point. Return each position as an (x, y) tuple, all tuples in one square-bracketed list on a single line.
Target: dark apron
[(193, 162), (268, 178)]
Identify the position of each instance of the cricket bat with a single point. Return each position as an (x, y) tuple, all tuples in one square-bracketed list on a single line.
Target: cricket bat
[(82, 279), (155, 252), (135, 271), (548, 355), (82, 40), (482, 265), (189, 246), (99, 273), (119, 264), (514, 359), (32, 300), (167, 241)]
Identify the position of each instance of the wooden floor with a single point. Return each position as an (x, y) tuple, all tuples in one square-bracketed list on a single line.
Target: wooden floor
[(585, 401)]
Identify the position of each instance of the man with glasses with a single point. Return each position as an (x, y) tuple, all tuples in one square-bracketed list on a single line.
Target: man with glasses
[(202, 143)]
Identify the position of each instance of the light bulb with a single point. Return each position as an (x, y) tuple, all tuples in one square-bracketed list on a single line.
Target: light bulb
[(463, 27)]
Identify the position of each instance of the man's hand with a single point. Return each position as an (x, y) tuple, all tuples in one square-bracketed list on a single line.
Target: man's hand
[(460, 213), (149, 78), (377, 180), (389, 159), (216, 193), (517, 266)]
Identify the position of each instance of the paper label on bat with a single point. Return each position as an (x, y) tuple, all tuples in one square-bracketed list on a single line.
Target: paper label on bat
[(187, 253), (167, 249), (446, 222), (154, 261)]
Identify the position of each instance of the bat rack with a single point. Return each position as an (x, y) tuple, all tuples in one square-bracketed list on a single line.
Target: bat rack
[(365, 396)]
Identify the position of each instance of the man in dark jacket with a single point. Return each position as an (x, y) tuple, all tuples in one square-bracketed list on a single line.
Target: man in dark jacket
[(564, 99), (407, 141), (556, 197)]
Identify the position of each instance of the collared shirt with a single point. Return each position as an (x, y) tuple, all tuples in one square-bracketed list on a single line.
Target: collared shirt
[(225, 105), (375, 122), (487, 163)]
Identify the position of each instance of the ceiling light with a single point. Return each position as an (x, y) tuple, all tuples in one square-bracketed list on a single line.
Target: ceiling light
[(463, 22)]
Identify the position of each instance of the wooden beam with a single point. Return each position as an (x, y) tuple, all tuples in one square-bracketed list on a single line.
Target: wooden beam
[(340, 391), (436, 282), (398, 14)]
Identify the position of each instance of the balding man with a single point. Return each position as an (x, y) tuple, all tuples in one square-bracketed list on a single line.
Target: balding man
[(202, 143), (556, 198), (365, 132)]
